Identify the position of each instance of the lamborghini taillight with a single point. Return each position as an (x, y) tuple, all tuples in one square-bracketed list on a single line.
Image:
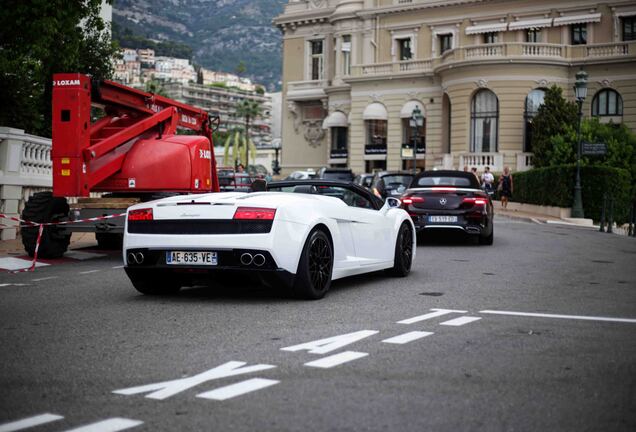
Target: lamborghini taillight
[(254, 213), (140, 214)]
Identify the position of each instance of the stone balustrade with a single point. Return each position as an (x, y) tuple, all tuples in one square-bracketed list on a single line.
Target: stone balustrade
[(482, 160), (25, 168), (499, 51)]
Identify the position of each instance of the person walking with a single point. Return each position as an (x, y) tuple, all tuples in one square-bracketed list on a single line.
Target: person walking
[(505, 187), (474, 171), (487, 180)]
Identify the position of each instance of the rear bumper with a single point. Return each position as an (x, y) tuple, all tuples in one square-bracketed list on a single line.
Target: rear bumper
[(473, 226), (194, 276)]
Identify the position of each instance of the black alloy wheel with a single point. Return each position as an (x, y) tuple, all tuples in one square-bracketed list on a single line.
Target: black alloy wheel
[(319, 262), (313, 277), (403, 252)]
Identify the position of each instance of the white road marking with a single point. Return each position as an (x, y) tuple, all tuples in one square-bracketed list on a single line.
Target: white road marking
[(4, 285), (460, 321), (437, 313), (89, 272), (29, 422), (238, 389), (110, 425), (323, 346), (44, 278), (574, 317), (13, 284), (118, 267), (79, 255), (165, 389), (336, 359), (11, 263), (407, 337)]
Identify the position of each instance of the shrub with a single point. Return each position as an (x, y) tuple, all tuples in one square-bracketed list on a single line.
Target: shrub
[(554, 186)]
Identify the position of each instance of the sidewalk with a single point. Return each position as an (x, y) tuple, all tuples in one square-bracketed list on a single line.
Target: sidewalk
[(530, 217), (15, 248)]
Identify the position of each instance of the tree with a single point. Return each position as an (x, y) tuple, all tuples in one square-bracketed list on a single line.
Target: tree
[(555, 117), (241, 145), (241, 68), (39, 38), (155, 86), (248, 109)]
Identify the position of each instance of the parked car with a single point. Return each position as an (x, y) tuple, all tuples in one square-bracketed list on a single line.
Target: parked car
[(231, 181), (450, 200), (344, 174), (226, 178), (301, 175), (390, 183), (301, 234), (364, 180)]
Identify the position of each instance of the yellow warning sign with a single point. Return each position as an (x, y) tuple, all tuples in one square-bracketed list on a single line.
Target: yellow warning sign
[(66, 161), (66, 172)]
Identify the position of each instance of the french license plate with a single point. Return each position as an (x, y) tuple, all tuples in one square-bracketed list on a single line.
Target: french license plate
[(442, 218), (191, 258)]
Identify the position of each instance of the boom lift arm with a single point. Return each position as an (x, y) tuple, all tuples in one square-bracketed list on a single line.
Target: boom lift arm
[(130, 148)]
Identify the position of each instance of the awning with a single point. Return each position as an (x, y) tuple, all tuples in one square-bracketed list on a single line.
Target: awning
[(533, 23), (486, 28), (577, 19), (375, 111), (335, 119), (407, 109)]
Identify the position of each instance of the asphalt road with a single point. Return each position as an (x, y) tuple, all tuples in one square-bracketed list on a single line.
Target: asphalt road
[(73, 334)]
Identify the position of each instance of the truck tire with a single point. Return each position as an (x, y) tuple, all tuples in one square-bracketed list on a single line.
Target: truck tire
[(109, 240), (44, 207)]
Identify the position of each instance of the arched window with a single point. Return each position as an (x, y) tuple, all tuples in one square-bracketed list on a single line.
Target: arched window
[(607, 102), (533, 101), (484, 118)]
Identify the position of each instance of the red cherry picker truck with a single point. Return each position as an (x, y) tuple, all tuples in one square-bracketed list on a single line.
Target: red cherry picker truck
[(131, 154)]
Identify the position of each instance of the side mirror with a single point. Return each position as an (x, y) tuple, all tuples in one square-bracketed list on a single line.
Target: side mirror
[(390, 203)]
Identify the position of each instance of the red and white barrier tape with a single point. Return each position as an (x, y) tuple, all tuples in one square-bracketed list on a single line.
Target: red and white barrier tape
[(41, 226)]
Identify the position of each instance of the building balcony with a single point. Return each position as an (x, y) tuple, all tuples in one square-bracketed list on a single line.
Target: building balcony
[(539, 52), (406, 67), (499, 52), (306, 90)]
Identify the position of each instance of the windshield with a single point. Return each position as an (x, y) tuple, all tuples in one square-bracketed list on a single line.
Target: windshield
[(444, 181), (397, 184), (347, 176)]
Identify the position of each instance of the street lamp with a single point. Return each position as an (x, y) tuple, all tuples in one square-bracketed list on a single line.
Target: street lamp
[(580, 92), (416, 121), (275, 164)]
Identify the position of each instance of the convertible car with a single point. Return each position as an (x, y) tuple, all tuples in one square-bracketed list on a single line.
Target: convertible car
[(301, 234), (450, 200)]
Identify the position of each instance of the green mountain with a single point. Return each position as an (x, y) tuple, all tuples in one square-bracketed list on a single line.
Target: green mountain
[(220, 33)]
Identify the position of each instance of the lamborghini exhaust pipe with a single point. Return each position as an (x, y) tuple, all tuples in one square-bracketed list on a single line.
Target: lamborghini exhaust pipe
[(247, 259), (259, 260)]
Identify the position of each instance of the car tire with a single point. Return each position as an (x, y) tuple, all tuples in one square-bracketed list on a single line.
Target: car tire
[(109, 241), (403, 258), (313, 278), (489, 239), (154, 285)]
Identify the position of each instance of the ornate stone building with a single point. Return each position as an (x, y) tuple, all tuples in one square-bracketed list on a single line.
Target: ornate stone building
[(354, 70)]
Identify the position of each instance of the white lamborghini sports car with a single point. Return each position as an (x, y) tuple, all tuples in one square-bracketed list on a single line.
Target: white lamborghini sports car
[(301, 234)]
